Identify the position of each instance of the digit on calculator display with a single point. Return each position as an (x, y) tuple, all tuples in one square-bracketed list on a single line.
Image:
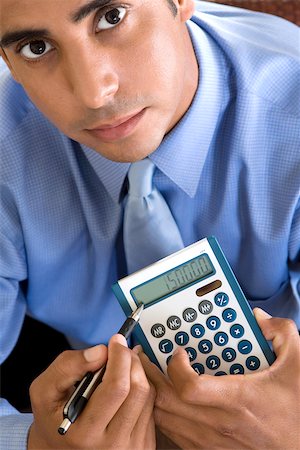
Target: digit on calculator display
[(173, 280)]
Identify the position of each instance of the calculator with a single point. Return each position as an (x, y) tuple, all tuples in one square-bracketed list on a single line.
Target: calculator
[(193, 300)]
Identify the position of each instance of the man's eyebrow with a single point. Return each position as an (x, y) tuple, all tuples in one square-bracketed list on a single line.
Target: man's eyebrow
[(11, 37), (87, 9)]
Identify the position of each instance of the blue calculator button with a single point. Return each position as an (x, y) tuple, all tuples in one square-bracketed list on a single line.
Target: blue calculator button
[(213, 362), (158, 330), (205, 307), (199, 368), (168, 359), (221, 338), (228, 354), (213, 323), (173, 322), (189, 315), (220, 373), (252, 363), (191, 353), (197, 330), (237, 331), (229, 315), (182, 338), (221, 299), (244, 347), (236, 369), (205, 346), (165, 346)]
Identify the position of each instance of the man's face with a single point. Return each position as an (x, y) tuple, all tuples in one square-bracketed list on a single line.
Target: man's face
[(113, 76)]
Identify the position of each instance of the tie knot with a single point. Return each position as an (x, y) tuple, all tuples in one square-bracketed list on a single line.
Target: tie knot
[(140, 178)]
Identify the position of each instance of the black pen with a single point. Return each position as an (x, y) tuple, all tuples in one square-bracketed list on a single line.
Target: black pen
[(91, 380)]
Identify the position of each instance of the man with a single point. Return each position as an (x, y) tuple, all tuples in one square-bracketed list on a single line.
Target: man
[(215, 103)]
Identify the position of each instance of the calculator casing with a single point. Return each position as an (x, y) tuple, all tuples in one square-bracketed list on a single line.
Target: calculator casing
[(174, 304)]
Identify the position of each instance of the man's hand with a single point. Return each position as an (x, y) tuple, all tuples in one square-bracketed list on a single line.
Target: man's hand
[(119, 414), (255, 411)]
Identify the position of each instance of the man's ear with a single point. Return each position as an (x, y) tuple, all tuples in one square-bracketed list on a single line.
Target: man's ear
[(7, 62), (186, 9)]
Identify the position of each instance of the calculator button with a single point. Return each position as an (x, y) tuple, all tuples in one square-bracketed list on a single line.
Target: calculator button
[(221, 338), (158, 330), (228, 354), (197, 330), (174, 322), (213, 362), (221, 299), (244, 347), (229, 315), (168, 359), (252, 363), (189, 315), (205, 307), (220, 373), (213, 323), (237, 330), (165, 346), (236, 369), (199, 368), (205, 346), (191, 353), (182, 338)]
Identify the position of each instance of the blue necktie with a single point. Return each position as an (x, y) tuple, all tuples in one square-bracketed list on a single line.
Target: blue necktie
[(150, 231)]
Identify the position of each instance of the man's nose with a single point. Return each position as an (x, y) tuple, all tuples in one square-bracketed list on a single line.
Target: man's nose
[(92, 80)]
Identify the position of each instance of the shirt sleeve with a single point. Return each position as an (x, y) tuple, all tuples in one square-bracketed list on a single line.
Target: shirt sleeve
[(14, 427), (294, 253)]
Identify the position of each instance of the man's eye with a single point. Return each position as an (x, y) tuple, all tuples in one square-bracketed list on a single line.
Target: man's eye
[(35, 49), (112, 18)]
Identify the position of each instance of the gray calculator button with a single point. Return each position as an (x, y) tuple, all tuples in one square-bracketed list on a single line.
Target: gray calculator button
[(174, 322), (205, 307), (213, 323), (181, 338), (221, 299), (165, 346), (205, 346), (229, 315), (199, 368), (213, 362), (158, 330), (197, 330), (244, 347), (252, 363), (237, 331), (189, 315), (191, 353), (228, 354), (236, 369)]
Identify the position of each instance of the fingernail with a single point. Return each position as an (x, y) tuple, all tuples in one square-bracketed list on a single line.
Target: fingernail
[(92, 354), (137, 349), (263, 314)]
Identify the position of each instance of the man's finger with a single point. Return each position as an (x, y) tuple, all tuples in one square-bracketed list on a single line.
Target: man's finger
[(284, 336), (68, 368)]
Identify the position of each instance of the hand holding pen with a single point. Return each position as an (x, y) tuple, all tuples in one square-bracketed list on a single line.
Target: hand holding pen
[(119, 413), (88, 384)]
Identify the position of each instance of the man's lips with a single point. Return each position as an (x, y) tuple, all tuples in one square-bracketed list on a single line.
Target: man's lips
[(118, 129)]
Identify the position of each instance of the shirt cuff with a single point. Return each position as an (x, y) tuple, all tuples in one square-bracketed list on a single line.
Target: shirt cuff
[(14, 431)]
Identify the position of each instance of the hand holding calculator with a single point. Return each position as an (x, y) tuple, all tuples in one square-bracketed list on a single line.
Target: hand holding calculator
[(193, 300)]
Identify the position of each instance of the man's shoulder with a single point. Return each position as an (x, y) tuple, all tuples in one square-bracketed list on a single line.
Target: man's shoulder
[(262, 50)]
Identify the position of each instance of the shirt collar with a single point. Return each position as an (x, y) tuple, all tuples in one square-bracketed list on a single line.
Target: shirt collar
[(182, 153)]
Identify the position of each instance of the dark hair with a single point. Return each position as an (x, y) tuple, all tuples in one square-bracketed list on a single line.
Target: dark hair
[(172, 7)]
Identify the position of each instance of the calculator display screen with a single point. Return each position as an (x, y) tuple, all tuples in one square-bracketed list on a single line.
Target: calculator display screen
[(173, 280)]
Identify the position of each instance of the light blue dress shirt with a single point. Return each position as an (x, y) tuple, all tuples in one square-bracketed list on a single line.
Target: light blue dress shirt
[(230, 168)]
